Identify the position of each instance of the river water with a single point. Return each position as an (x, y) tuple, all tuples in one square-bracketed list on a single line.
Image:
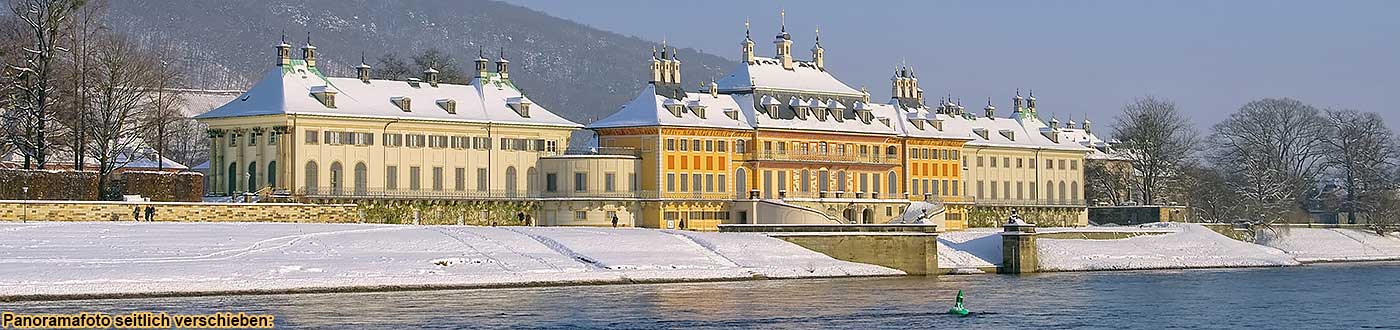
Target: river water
[(1334, 296)]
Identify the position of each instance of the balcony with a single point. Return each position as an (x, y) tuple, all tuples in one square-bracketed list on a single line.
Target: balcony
[(429, 194), (875, 159), (1027, 202)]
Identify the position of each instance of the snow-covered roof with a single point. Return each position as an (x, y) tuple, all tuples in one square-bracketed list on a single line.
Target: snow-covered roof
[(289, 90), (649, 109), (768, 73)]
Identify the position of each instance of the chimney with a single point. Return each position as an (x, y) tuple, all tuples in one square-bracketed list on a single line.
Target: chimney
[(991, 110), (1030, 102), (362, 71), (480, 63), (284, 52), (1016, 102), (503, 66), (783, 43), (1086, 125), (308, 52), (431, 76), (714, 92)]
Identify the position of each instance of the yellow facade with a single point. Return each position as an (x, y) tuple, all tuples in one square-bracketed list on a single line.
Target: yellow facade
[(1044, 185)]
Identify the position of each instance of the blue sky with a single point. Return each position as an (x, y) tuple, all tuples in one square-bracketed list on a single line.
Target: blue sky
[(1080, 57)]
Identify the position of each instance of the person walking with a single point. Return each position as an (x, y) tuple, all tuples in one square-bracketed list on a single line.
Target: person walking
[(150, 213), (614, 221), (136, 213)]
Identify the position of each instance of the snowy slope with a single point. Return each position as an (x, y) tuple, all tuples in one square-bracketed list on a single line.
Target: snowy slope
[(1191, 246), (973, 248), (1322, 244), (155, 258)]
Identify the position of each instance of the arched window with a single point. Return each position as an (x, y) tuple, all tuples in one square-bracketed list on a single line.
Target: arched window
[(1074, 190), (252, 176), (841, 181), (510, 181), (891, 152), (1049, 190), (741, 183), (312, 182), (806, 181), (232, 178), (531, 181), (272, 173), (894, 182), (1062, 191), (823, 181), (361, 179), (337, 178)]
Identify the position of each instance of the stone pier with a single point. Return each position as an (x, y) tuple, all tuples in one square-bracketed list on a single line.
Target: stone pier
[(912, 248), (1018, 254)]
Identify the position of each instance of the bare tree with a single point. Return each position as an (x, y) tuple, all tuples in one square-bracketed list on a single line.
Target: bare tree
[(448, 72), (85, 27), (1212, 198), (1272, 150), (1157, 139), (166, 105), (391, 67), (123, 75), (43, 24), (1107, 181), (1362, 152)]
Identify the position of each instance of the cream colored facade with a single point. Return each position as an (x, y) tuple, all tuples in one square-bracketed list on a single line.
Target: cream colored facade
[(590, 190)]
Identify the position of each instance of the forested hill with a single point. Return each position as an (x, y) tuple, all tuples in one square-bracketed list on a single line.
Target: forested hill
[(575, 70)]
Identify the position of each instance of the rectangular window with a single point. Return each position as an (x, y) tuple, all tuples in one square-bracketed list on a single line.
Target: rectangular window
[(721, 183), (580, 181), (697, 185), (945, 188), (1062, 164), (1034, 194), (980, 189), (481, 179), (685, 181), (311, 137), (1049, 164), (955, 187), (1020, 163), (414, 182), (460, 181), (1020, 190), (993, 161), (272, 139), (632, 182), (671, 182), (1006, 161), (670, 144), (740, 146), (580, 215), (684, 146), (233, 140), (695, 145), (720, 145), (252, 139), (551, 182), (437, 179), (709, 145), (391, 177), (551, 146), (610, 182), (1006, 189), (980, 162), (1073, 164)]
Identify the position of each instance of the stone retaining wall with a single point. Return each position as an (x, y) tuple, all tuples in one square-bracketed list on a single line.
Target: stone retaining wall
[(174, 211)]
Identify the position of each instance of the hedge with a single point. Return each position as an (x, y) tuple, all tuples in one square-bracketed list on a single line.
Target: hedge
[(48, 185), (162, 186)]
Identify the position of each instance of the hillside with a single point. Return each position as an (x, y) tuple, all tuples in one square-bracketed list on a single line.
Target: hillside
[(575, 70)]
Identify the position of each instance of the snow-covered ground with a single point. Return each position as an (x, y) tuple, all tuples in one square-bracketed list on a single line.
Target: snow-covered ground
[(1187, 246), (970, 249), (1323, 244), (119, 258)]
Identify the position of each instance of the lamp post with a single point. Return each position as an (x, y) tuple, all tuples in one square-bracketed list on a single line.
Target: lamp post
[(25, 218)]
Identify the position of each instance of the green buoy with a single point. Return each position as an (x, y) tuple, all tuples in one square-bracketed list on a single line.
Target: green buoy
[(958, 308)]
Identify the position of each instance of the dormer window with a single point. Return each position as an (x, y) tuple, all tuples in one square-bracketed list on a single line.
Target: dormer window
[(885, 121), (403, 102), (918, 123), (413, 82), (448, 105), (821, 115), (801, 112), (674, 107), (324, 94), (1008, 134), (937, 124), (836, 114), (698, 110), (732, 114), (981, 132), (521, 105)]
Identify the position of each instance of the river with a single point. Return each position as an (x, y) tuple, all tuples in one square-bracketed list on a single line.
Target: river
[(1331, 296)]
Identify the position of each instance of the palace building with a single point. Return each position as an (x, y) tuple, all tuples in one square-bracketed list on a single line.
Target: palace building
[(781, 140), (482, 146)]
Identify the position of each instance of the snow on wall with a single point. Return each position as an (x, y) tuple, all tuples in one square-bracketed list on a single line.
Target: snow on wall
[(1191, 246), (145, 258), (1328, 244)]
